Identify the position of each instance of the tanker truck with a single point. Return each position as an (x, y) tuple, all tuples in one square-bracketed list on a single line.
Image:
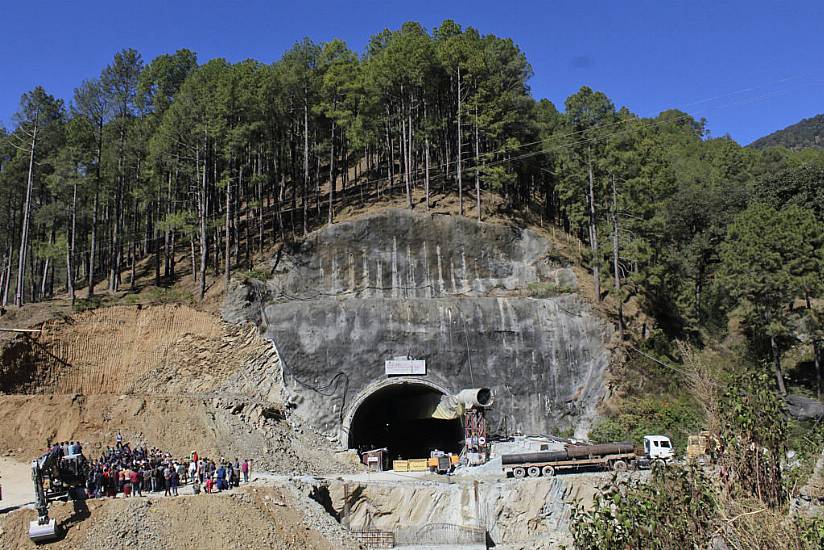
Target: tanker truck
[(619, 457)]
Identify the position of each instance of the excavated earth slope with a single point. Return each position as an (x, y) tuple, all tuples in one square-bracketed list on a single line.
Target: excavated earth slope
[(167, 376), (449, 290)]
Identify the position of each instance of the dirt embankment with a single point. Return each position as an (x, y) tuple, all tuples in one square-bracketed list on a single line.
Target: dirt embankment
[(165, 376), (161, 349), (254, 517)]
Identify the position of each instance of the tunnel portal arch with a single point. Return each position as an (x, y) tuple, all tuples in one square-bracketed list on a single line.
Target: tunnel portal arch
[(380, 417)]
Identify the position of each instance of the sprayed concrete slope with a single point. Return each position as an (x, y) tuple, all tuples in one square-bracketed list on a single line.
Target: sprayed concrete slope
[(448, 290)]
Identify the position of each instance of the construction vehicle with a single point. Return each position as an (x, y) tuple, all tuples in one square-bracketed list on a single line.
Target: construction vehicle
[(619, 457), (698, 447), (55, 477)]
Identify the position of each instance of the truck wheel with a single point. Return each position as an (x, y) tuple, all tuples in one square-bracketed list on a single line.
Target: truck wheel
[(548, 471), (534, 471), (619, 466), (519, 472)]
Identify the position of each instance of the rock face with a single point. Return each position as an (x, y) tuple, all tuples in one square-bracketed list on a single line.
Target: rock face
[(446, 290), (531, 515)]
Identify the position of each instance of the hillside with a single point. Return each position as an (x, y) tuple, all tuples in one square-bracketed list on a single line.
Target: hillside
[(809, 133)]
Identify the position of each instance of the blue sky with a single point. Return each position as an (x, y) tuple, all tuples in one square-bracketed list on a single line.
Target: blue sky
[(749, 67)]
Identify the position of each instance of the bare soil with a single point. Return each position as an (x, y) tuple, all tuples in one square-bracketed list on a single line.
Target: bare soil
[(252, 517)]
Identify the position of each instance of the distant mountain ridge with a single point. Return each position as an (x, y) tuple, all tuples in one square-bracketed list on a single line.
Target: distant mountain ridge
[(809, 133)]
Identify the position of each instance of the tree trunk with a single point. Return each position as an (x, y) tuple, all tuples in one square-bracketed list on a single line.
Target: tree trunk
[(227, 236), (390, 157), (459, 140), (615, 257), (816, 353), (410, 156), (114, 275), (426, 157), (405, 156), (332, 177), (45, 276), (593, 235), (477, 166), (305, 161), (779, 375), (194, 261), (70, 251), (18, 297), (204, 208), (133, 253)]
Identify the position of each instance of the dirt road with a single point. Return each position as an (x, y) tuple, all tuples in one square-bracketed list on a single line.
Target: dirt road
[(15, 478)]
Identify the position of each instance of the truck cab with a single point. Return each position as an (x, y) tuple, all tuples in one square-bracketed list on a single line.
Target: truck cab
[(658, 447)]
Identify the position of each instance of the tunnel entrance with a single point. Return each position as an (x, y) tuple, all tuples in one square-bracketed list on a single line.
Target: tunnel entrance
[(395, 417)]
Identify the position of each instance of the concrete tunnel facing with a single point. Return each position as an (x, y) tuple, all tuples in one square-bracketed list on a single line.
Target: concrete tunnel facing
[(395, 417)]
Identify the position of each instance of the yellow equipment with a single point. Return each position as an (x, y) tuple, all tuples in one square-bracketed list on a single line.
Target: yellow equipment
[(698, 447)]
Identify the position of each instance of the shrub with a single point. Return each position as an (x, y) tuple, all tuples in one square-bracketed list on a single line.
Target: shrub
[(676, 509), (676, 417), (547, 289), (171, 295), (253, 274), (84, 304)]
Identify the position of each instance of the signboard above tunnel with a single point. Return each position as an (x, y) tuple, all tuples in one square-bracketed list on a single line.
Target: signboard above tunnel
[(403, 366)]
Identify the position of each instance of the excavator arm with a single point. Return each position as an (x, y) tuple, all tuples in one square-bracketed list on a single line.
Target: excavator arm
[(43, 528), (62, 475)]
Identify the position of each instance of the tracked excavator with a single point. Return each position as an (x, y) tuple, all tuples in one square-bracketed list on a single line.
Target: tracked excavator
[(55, 477)]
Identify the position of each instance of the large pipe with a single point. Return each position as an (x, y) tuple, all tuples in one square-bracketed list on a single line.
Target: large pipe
[(570, 453), (476, 397), (542, 456), (442, 407), (580, 451)]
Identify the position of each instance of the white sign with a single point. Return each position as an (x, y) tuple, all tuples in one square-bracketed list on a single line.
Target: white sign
[(405, 366)]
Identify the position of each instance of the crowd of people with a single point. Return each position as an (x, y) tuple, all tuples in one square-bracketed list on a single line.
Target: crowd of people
[(135, 471)]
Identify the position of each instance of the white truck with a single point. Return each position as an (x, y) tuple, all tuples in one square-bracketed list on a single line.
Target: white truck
[(619, 457)]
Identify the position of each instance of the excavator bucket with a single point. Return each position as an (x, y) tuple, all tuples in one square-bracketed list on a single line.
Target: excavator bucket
[(43, 533)]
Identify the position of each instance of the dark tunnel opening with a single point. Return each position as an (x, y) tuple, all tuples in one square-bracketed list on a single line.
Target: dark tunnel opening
[(394, 417)]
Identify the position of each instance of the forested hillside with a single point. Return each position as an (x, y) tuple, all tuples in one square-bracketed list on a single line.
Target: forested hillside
[(222, 160), (807, 133)]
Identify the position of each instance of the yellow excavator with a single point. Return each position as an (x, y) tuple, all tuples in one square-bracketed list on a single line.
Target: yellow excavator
[(55, 477)]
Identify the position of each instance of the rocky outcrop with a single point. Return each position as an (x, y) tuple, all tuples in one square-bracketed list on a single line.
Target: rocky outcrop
[(532, 515), (451, 291)]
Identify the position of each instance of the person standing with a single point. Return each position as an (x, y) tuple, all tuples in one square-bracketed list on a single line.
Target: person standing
[(245, 469), (126, 478), (167, 480), (136, 481), (220, 475), (175, 481)]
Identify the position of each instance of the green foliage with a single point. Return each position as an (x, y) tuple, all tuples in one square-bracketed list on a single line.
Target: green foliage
[(752, 439), (807, 133), (87, 304), (675, 417), (769, 258), (160, 295), (548, 289), (810, 532), (253, 275), (676, 509)]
